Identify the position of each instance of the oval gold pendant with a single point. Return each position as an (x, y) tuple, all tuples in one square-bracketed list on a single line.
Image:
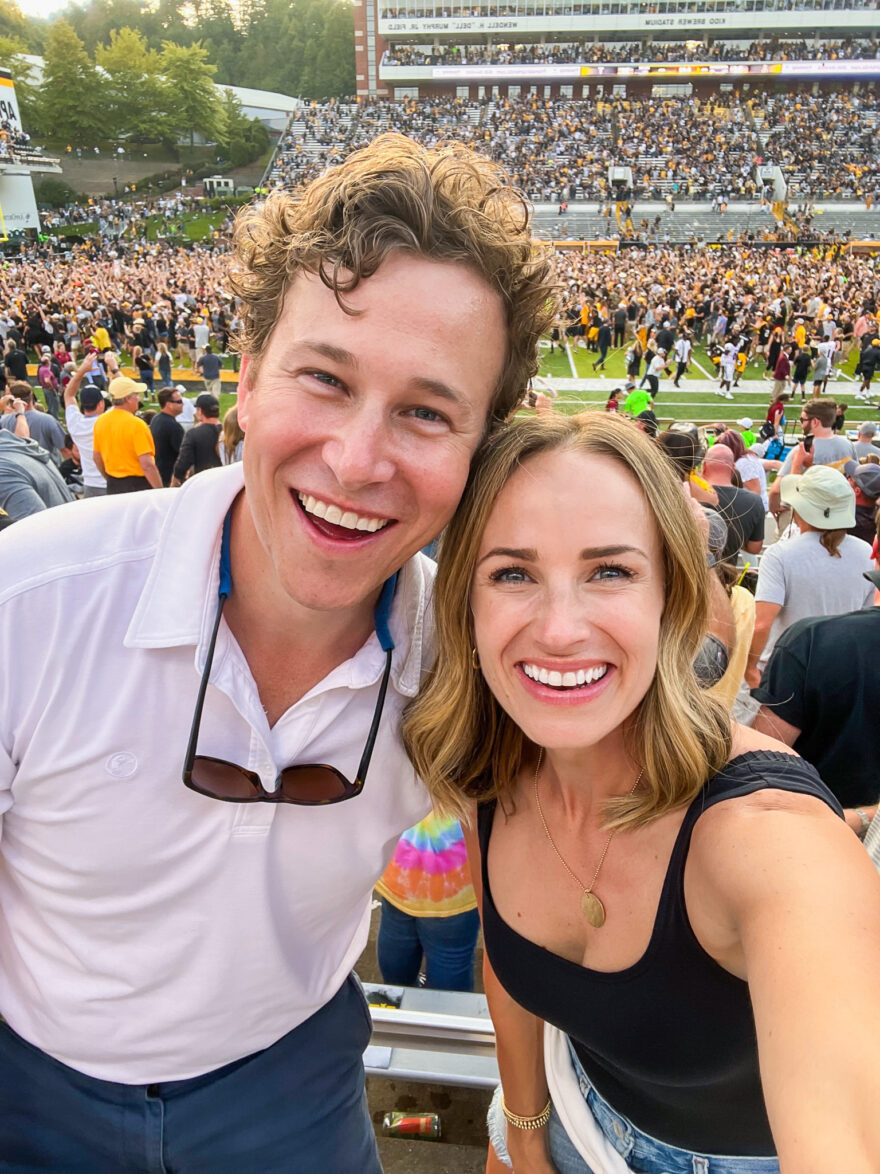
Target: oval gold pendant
[(593, 909)]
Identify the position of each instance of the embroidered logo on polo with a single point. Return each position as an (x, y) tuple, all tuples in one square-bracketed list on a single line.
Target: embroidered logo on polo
[(121, 765)]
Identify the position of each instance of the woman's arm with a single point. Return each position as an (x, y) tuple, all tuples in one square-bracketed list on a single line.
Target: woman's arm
[(519, 1046), (802, 901)]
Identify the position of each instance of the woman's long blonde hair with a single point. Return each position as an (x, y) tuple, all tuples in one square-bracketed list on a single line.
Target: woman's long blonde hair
[(464, 745)]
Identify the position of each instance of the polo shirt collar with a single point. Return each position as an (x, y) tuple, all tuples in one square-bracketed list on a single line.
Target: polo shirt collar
[(178, 602)]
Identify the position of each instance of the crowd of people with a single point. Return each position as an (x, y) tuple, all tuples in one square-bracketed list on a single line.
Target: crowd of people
[(687, 148), (590, 52), (181, 914), (592, 8)]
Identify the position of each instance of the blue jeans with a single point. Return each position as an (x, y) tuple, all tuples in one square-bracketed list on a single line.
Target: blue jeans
[(641, 1152), (298, 1107), (446, 943)]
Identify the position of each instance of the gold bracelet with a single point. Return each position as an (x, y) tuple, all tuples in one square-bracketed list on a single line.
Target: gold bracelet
[(537, 1122)]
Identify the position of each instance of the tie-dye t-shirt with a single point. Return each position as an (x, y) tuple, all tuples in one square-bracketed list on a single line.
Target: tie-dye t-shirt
[(429, 875)]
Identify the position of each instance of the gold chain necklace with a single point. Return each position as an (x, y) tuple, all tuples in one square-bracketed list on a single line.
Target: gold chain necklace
[(591, 907)]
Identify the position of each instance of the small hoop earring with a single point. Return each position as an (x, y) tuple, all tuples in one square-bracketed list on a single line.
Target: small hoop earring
[(475, 660)]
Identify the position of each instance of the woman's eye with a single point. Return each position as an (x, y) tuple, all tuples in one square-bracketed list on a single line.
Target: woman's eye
[(612, 571), (509, 575)]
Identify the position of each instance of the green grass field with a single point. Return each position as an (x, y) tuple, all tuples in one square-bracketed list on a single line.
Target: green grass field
[(697, 403)]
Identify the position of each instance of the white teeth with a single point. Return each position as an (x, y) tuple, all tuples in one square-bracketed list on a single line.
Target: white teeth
[(332, 513), (568, 680)]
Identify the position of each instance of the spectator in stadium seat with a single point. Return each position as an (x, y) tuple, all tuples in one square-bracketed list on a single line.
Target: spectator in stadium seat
[(157, 932), (819, 572), (817, 421), (865, 480), (864, 445), (742, 510)]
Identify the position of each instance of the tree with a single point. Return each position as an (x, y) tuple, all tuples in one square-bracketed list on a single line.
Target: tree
[(70, 99), (244, 139), (191, 101), (133, 90), (334, 71)]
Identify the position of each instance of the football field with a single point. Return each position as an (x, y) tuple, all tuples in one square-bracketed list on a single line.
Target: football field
[(578, 386)]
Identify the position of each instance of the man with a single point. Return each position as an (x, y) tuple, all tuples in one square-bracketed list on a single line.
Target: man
[(637, 399), (188, 958), (81, 426), (16, 363), (682, 352), (865, 480), (29, 481), (742, 510), (817, 573), (656, 368), (48, 381), (825, 448), (726, 371), (43, 428), (123, 444), (864, 445), (820, 693), (209, 365), (167, 431), (746, 424), (201, 334), (199, 448)]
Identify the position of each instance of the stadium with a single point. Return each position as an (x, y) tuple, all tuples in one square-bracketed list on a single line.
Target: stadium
[(572, 304)]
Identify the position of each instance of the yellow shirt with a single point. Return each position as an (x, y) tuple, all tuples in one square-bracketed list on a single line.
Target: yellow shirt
[(120, 438)]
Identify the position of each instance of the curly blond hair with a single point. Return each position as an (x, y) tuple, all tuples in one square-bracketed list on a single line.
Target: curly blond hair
[(445, 203)]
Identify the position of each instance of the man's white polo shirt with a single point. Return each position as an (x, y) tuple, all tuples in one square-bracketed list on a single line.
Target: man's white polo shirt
[(148, 933)]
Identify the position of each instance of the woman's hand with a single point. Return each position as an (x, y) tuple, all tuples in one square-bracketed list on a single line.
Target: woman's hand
[(528, 1150)]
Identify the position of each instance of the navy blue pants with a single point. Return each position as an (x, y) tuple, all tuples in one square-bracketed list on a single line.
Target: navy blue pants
[(298, 1107)]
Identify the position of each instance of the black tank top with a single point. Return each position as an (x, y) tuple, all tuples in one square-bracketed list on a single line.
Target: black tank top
[(670, 1041)]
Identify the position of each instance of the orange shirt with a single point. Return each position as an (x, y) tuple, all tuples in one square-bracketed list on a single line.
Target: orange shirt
[(120, 438)]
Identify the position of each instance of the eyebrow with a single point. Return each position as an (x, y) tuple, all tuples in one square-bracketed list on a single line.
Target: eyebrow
[(590, 553)]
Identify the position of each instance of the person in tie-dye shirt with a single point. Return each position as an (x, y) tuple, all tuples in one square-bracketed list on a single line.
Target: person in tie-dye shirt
[(429, 911)]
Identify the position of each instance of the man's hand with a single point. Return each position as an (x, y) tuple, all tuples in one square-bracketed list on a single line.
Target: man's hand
[(802, 459)]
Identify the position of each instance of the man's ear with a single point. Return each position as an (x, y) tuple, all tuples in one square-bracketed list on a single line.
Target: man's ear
[(244, 391)]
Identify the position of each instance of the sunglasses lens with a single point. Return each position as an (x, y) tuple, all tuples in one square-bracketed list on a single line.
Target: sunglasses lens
[(313, 784), (221, 779)]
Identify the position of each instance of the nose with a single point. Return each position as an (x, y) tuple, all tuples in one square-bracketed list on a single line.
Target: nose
[(561, 624), (359, 453)]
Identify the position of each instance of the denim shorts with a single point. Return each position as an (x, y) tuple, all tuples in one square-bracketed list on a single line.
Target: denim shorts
[(642, 1153)]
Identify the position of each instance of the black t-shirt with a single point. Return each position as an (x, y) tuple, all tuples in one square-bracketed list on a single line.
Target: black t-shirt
[(167, 437), (199, 450), (744, 513), (822, 678), (866, 523)]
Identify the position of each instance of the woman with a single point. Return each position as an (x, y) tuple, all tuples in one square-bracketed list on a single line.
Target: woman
[(750, 469), (163, 364), (774, 347), (230, 445), (648, 875)]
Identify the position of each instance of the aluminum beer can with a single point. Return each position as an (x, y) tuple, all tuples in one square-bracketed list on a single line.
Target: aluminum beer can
[(420, 1126)]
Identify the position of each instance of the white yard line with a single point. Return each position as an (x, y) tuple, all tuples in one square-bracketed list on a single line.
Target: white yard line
[(574, 373), (708, 374)]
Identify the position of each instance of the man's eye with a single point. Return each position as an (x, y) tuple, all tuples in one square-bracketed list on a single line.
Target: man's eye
[(325, 378), (428, 415)]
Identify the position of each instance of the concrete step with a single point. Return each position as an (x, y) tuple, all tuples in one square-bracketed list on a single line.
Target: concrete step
[(430, 1157)]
